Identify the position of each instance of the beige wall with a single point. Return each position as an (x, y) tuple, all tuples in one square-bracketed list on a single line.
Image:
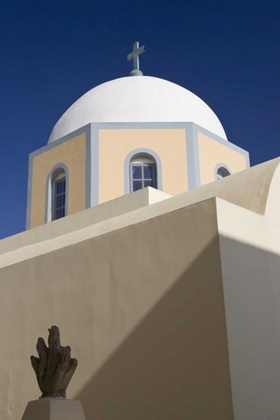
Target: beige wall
[(85, 219), (143, 310), (115, 145), (211, 153), (73, 154), (250, 255), (153, 302)]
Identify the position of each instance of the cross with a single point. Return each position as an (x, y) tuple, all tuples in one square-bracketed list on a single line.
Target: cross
[(134, 55)]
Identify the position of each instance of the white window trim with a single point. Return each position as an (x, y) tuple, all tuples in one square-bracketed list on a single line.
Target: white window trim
[(136, 154), (221, 166)]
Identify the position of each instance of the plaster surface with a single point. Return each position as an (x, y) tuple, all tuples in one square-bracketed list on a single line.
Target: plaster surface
[(212, 153), (73, 155), (248, 189), (137, 99), (142, 307), (250, 257), (173, 306), (110, 209), (115, 145)]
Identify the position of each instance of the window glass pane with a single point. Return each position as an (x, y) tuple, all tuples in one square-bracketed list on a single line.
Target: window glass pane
[(148, 172), (58, 214), (60, 186), (222, 173), (137, 185), (59, 201), (148, 183), (59, 198), (137, 172)]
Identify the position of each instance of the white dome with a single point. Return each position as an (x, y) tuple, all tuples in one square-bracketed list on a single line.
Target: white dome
[(137, 99)]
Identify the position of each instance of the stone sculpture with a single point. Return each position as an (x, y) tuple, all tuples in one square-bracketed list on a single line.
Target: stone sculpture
[(54, 368)]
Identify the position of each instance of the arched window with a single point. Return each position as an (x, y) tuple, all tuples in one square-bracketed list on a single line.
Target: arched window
[(143, 172), (222, 172), (58, 194)]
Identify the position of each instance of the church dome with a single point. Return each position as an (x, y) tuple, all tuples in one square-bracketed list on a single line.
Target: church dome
[(137, 99)]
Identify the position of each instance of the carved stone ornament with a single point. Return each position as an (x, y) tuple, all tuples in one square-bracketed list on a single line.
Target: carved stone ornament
[(54, 368)]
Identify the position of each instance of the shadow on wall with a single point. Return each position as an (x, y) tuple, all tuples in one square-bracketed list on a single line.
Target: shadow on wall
[(175, 363), (251, 283)]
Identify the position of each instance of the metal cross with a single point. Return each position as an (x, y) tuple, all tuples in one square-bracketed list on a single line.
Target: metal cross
[(134, 55)]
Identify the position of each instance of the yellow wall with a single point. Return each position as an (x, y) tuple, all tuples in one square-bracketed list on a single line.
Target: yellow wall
[(115, 145), (73, 154), (211, 153)]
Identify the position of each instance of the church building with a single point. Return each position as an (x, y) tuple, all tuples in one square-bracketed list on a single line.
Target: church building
[(155, 248), (124, 135)]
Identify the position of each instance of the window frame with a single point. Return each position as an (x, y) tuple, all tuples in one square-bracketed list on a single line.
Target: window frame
[(136, 155), (60, 178), (224, 168), (59, 171), (137, 163)]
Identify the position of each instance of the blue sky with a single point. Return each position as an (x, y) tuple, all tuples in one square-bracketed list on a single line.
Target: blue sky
[(52, 52)]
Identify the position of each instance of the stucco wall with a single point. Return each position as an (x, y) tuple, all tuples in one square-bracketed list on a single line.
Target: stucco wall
[(251, 286), (250, 255), (115, 145), (248, 189), (71, 153), (142, 305), (122, 205), (143, 310), (212, 153), (187, 158)]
